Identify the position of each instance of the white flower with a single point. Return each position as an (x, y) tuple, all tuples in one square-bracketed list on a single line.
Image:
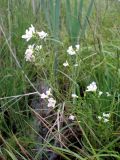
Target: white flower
[(77, 47), (29, 33), (37, 48), (100, 93), (107, 115), (71, 117), (100, 118), (42, 34), (106, 120), (48, 92), (32, 29), (92, 87), (51, 102), (71, 51), (31, 47), (74, 95), (29, 54), (76, 64), (104, 117), (43, 96), (108, 94), (65, 64)]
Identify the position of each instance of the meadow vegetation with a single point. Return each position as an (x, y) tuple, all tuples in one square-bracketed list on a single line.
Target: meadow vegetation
[(59, 79)]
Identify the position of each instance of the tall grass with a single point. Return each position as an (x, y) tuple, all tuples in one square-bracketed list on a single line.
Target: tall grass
[(76, 21)]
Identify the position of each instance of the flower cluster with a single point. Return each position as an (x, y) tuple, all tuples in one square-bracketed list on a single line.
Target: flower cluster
[(92, 87), (72, 51), (42, 34), (32, 49), (105, 117), (71, 117), (65, 64), (48, 95), (30, 32), (29, 54)]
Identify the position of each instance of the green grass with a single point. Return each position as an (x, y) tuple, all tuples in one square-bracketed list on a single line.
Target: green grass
[(95, 25)]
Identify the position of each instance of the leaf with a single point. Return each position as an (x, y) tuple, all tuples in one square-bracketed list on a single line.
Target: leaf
[(11, 155)]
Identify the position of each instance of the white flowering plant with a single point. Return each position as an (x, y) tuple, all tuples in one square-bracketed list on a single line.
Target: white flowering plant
[(80, 105), (35, 53)]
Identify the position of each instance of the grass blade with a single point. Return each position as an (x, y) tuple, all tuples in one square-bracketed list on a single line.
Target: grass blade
[(84, 26)]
